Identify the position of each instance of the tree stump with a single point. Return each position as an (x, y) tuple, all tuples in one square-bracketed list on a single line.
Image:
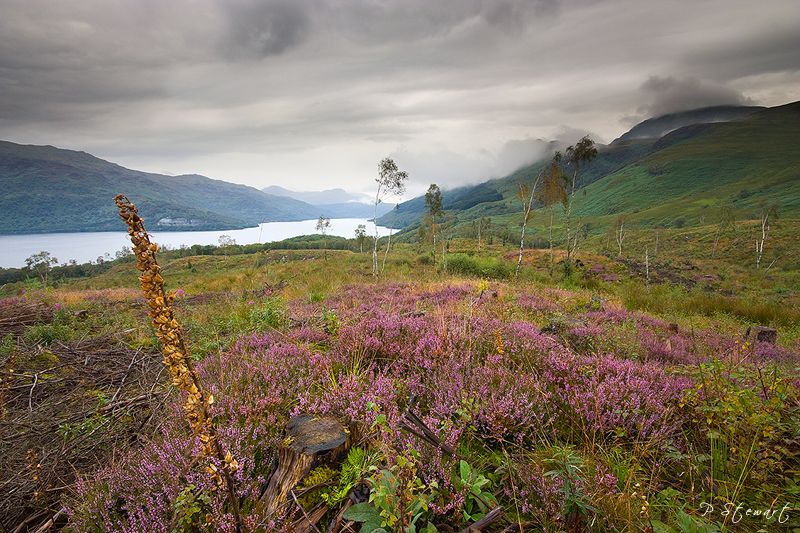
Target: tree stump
[(597, 303), (563, 325), (762, 333), (310, 442), (487, 294)]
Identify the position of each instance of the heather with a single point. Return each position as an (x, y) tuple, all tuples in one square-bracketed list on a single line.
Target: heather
[(510, 398), (551, 399)]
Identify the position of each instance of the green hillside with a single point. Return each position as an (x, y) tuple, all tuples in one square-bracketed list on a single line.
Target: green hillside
[(46, 189), (680, 179), (690, 170)]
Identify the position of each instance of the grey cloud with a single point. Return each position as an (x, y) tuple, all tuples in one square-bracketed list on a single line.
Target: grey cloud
[(389, 21), (670, 95), (518, 153), (446, 168), (771, 51), (512, 15), (451, 169), (260, 29), (251, 84)]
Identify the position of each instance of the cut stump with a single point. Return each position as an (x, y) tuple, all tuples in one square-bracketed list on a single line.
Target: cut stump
[(310, 442), (762, 333)]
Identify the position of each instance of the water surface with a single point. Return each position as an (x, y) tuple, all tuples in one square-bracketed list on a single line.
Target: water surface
[(85, 247)]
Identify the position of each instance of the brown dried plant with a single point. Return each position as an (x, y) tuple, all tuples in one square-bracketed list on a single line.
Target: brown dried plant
[(199, 403)]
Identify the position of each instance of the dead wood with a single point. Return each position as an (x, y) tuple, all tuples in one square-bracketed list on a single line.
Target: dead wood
[(309, 442), (490, 518), (69, 408), (422, 431)]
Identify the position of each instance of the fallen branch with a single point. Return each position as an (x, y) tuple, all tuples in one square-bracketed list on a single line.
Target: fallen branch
[(424, 432), (490, 518), (47, 525)]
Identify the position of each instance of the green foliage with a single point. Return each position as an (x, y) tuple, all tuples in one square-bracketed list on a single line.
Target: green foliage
[(568, 467), (61, 329), (748, 416), (7, 346), (270, 314), (366, 513), (191, 508), (685, 523), (319, 476), (88, 426), (400, 497), (484, 267), (353, 470), (477, 496)]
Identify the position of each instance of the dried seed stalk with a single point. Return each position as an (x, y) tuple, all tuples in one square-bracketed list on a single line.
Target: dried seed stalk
[(199, 403)]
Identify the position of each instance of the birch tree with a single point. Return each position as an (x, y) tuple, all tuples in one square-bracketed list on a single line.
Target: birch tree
[(552, 190), (526, 196), (766, 212), (322, 226), (433, 205), (619, 231), (391, 184), (574, 157)]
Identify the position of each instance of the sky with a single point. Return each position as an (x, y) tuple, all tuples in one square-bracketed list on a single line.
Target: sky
[(312, 94)]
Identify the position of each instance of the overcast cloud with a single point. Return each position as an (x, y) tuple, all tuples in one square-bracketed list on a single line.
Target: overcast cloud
[(311, 94)]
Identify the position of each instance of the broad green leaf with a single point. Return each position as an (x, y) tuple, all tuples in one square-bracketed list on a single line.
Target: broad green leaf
[(361, 512)]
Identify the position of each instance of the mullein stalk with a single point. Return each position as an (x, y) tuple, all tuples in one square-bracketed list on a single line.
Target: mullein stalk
[(199, 403)]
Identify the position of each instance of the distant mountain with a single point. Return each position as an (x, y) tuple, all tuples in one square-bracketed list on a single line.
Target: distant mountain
[(45, 189), (656, 128), (673, 179), (326, 197), (337, 203)]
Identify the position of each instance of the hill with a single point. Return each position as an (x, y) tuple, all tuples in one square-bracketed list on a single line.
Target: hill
[(47, 189), (336, 203), (670, 181), (328, 196), (655, 128)]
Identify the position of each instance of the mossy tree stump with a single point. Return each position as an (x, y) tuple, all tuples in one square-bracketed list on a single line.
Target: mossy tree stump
[(310, 442)]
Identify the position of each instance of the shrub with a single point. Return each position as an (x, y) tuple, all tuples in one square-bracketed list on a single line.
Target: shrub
[(479, 267)]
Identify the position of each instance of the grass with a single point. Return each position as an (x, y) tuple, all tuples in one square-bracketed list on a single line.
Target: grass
[(286, 333)]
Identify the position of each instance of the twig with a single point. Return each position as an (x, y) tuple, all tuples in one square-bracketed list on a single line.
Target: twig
[(30, 394), (127, 372), (29, 520), (304, 512), (47, 525)]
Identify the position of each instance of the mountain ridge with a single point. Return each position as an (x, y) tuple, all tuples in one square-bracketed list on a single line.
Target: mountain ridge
[(659, 182), (48, 189)]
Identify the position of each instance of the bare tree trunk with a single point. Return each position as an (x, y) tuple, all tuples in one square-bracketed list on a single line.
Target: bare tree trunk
[(569, 213), (760, 245), (375, 244), (655, 252), (551, 239), (387, 248), (527, 205)]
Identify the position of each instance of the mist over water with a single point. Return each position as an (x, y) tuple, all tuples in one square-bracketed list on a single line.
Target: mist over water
[(85, 247)]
